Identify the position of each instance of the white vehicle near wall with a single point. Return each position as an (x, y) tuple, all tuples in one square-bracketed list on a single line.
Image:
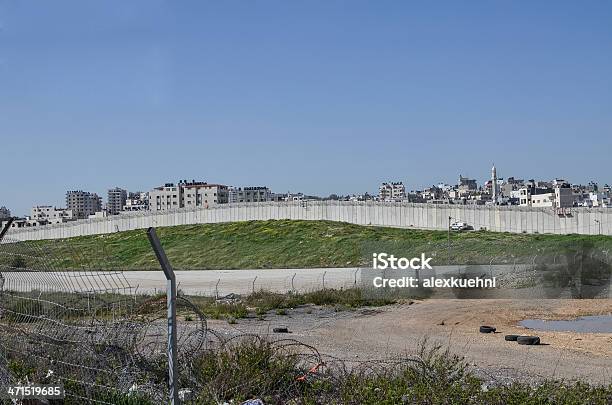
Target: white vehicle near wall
[(460, 226)]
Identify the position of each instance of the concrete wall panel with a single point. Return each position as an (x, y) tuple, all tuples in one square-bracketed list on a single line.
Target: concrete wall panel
[(405, 215)]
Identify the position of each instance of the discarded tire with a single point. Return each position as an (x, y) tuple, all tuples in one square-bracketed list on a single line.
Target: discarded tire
[(511, 338), (280, 330), (487, 329), (528, 340)]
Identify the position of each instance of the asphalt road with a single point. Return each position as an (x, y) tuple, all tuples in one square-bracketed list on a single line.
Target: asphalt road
[(191, 282), (223, 282)]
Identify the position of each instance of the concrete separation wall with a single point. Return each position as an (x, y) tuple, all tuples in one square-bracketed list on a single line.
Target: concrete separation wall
[(403, 215)]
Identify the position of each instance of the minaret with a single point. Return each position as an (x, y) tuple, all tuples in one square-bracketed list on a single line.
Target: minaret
[(494, 185)]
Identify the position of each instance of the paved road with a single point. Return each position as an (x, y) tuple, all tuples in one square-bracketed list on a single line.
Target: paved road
[(191, 282), (204, 282), (215, 282), (244, 281)]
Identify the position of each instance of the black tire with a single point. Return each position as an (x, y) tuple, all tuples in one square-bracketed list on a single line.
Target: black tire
[(528, 340), (511, 338), (487, 329), (280, 330)]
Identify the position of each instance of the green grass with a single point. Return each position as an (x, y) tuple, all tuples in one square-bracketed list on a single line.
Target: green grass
[(261, 302), (347, 298), (287, 244), (31, 307)]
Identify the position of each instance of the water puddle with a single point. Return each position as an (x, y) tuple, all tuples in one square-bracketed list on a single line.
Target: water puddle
[(592, 324)]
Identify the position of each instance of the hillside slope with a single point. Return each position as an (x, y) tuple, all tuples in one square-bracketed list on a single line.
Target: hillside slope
[(294, 244)]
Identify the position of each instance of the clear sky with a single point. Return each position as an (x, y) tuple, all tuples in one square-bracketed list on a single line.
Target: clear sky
[(312, 96)]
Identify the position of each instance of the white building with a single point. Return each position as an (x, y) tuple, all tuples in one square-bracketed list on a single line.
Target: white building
[(392, 191), (542, 200), (187, 194), (83, 203), (46, 214), (166, 197), (558, 197), (202, 194)]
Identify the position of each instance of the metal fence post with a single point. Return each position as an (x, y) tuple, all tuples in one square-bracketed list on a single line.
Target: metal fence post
[(2, 233), (253, 289), (171, 297)]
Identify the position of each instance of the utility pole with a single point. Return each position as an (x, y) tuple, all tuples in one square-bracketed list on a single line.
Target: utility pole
[(449, 242), (599, 224)]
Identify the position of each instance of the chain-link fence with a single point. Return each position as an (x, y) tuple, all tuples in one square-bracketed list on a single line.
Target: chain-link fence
[(90, 331), (85, 330)]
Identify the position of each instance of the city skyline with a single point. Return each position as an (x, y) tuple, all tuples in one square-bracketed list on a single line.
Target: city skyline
[(322, 98), (374, 189)]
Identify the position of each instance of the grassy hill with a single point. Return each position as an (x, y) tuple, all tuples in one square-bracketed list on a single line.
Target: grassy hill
[(293, 244)]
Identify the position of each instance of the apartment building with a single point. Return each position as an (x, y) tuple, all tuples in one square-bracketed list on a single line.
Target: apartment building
[(83, 203), (116, 200), (47, 214), (542, 198), (392, 191), (166, 197), (561, 196), (249, 194), (187, 194), (202, 194)]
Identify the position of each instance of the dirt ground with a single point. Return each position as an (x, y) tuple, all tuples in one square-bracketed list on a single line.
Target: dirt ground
[(386, 332)]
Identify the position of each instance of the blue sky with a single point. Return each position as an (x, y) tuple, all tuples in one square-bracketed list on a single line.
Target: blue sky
[(317, 96)]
